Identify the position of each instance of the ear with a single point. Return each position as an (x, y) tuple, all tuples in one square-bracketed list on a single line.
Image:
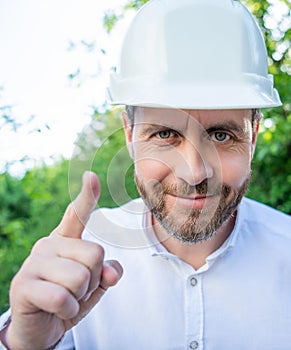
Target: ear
[(256, 127), (127, 127)]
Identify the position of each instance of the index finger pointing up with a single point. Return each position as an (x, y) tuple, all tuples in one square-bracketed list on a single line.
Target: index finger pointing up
[(78, 211)]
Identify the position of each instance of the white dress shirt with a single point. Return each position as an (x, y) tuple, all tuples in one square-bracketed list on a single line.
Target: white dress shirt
[(240, 298)]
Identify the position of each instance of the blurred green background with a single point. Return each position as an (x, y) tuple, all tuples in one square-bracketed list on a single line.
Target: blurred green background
[(31, 206)]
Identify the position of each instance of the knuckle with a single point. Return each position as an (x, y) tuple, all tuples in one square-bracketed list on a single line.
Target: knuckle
[(18, 288), (96, 254), (16, 282), (28, 263), (60, 299), (71, 212), (41, 245), (82, 277), (26, 271)]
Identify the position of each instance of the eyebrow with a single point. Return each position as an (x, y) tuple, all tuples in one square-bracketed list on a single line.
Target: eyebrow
[(152, 128), (228, 125)]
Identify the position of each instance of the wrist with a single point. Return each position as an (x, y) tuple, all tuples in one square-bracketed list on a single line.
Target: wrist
[(4, 342)]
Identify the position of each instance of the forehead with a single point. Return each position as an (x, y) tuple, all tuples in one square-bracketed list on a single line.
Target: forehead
[(182, 119)]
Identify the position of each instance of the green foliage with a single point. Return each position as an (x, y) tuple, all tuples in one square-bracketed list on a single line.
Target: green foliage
[(47, 186), (101, 148), (271, 181), (29, 208), (14, 207), (110, 19), (134, 4)]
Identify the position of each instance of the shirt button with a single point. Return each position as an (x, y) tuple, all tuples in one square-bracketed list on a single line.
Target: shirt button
[(194, 345), (193, 282)]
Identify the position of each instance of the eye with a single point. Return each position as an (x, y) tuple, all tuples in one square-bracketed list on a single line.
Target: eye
[(220, 136), (164, 134)]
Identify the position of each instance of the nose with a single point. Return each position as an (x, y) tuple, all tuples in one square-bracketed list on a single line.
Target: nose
[(193, 164)]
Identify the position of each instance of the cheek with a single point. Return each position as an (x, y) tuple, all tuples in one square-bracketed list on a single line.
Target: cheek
[(150, 169), (235, 170)]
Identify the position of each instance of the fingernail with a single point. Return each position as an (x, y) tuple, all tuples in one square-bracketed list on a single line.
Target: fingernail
[(116, 267), (93, 181)]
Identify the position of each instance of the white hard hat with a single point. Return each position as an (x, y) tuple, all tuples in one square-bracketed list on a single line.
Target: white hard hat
[(193, 54)]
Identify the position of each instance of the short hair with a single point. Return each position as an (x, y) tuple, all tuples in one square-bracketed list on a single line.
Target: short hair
[(256, 114), (130, 112)]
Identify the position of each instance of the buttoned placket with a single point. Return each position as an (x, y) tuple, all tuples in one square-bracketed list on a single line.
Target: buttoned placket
[(194, 312), (193, 303), (193, 300)]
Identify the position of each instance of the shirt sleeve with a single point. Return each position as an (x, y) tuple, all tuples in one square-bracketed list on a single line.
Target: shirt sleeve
[(4, 319), (67, 343)]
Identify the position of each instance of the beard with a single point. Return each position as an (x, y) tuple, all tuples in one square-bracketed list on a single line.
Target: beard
[(191, 225)]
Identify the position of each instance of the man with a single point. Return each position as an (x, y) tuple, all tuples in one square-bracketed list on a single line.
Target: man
[(203, 267)]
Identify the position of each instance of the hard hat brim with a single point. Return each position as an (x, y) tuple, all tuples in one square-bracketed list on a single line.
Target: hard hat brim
[(251, 92)]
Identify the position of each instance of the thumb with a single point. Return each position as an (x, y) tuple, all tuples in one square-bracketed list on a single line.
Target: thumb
[(78, 212)]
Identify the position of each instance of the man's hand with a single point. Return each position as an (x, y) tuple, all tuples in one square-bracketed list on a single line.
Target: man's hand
[(61, 280)]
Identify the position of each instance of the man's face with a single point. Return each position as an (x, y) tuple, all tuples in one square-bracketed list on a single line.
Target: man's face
[(192, 167)]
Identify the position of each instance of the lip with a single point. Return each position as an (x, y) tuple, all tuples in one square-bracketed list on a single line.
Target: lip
[(192, 202)]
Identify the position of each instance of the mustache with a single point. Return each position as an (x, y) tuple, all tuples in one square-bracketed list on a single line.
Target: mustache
[(184, 189)]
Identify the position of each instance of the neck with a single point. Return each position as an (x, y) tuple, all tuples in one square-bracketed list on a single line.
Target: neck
[(194, 254)]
